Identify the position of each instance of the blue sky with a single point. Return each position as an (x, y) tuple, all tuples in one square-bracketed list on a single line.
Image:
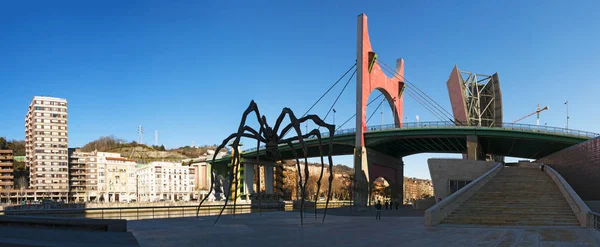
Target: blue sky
[(189, 68)]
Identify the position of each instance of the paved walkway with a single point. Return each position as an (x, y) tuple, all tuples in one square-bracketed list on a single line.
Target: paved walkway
[(283, 229)]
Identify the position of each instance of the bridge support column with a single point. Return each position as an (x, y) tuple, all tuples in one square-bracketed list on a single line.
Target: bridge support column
[(474, 151), (361, 178), (370, 165), (269, 179), (248, 179), (398, 196)]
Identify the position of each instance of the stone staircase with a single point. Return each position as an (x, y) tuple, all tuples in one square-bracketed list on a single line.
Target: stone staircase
[(516, 196)]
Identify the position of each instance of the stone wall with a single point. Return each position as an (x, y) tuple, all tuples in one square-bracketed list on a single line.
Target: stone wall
[(444, 170)]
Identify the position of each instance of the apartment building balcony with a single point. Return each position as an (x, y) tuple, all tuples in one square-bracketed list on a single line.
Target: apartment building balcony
[(78, 179), (6, 157), (5, 170), (6, 176), (6, 164), (6, 183)]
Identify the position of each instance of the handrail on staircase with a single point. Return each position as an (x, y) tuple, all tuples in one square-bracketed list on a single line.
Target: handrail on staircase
[(582, 211), (438, 212)]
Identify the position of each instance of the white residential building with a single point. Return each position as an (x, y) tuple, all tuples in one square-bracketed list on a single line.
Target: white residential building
[(46, 143), (116, 177), (163, 181)]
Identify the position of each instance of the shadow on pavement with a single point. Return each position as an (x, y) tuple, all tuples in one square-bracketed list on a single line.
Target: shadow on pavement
[(370, 212)]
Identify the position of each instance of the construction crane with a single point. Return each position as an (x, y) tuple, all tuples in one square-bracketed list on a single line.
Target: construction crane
[(535, 112)]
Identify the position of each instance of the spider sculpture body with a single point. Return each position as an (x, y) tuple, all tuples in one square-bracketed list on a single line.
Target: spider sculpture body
[(272, 139)]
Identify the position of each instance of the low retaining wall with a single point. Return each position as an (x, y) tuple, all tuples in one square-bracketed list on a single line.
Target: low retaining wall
[(436, 214), (102, 225), (581, 210)]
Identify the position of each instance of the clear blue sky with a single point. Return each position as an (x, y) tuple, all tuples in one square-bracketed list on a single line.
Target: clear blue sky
[(189, 68)]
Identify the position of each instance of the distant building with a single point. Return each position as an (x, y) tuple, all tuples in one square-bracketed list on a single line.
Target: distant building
[(82, 187), (101, 176), (416, 189), (6, 170), (199, 171), (116, 178), (163, 181), (46, 142)]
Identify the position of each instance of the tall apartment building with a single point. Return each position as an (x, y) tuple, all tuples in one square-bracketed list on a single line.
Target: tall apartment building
[(6, 170), (163, 180), (46, 143)]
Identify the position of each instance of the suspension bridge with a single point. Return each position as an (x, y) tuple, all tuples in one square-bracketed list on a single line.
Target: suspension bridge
[(474, 128)]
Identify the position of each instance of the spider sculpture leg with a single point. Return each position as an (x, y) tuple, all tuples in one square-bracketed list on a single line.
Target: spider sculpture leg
[(212, 178), (316, 133), (235, 162), (237, 136), (299, 180), (236, 158), (331, 129), (294, 123)]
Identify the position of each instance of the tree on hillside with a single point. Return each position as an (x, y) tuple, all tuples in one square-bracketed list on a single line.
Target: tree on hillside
[(18, 147), (194, 151), (103, 144)]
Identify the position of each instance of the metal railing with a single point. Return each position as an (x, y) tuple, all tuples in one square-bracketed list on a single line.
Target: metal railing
[(596, 220), (157, 212), (448, 124)]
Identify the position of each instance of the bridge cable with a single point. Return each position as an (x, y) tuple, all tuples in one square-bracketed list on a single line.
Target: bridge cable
[(427, 107), (338, 97), (373, 114), (344, 75), (415, 86), (447, 114), (432, 108), (422, 101), (339, 127), (326, 92)]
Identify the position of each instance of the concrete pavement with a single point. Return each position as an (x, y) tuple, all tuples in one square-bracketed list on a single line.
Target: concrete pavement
[(283, 228)]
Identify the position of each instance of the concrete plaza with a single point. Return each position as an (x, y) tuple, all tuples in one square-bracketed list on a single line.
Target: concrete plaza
[(283, 229)]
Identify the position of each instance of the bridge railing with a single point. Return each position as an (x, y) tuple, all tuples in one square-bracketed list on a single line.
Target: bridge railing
[(448, 124)]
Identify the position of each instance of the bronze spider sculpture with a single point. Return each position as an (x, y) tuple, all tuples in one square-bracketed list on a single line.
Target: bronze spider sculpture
[(272, 140)]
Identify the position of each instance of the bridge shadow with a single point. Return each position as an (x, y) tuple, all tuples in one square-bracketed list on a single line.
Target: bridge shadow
[(404, 211)]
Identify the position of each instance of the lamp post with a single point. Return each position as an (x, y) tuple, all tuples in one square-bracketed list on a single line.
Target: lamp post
[(567, 103), (334, 116)]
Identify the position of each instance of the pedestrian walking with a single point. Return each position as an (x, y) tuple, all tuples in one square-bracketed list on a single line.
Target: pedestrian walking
[(542, 166), (386, 205), (378, 209)]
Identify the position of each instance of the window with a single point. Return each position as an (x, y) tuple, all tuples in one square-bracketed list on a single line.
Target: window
[(455, 185)]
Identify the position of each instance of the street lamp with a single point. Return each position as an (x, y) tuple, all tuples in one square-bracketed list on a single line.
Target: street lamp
[(334, 116), (567, 103)]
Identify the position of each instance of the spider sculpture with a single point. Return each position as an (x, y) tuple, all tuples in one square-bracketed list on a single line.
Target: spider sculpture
[(272, 139)]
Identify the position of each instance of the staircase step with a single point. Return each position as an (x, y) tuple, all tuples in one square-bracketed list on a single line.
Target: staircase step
[(516, 196)]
